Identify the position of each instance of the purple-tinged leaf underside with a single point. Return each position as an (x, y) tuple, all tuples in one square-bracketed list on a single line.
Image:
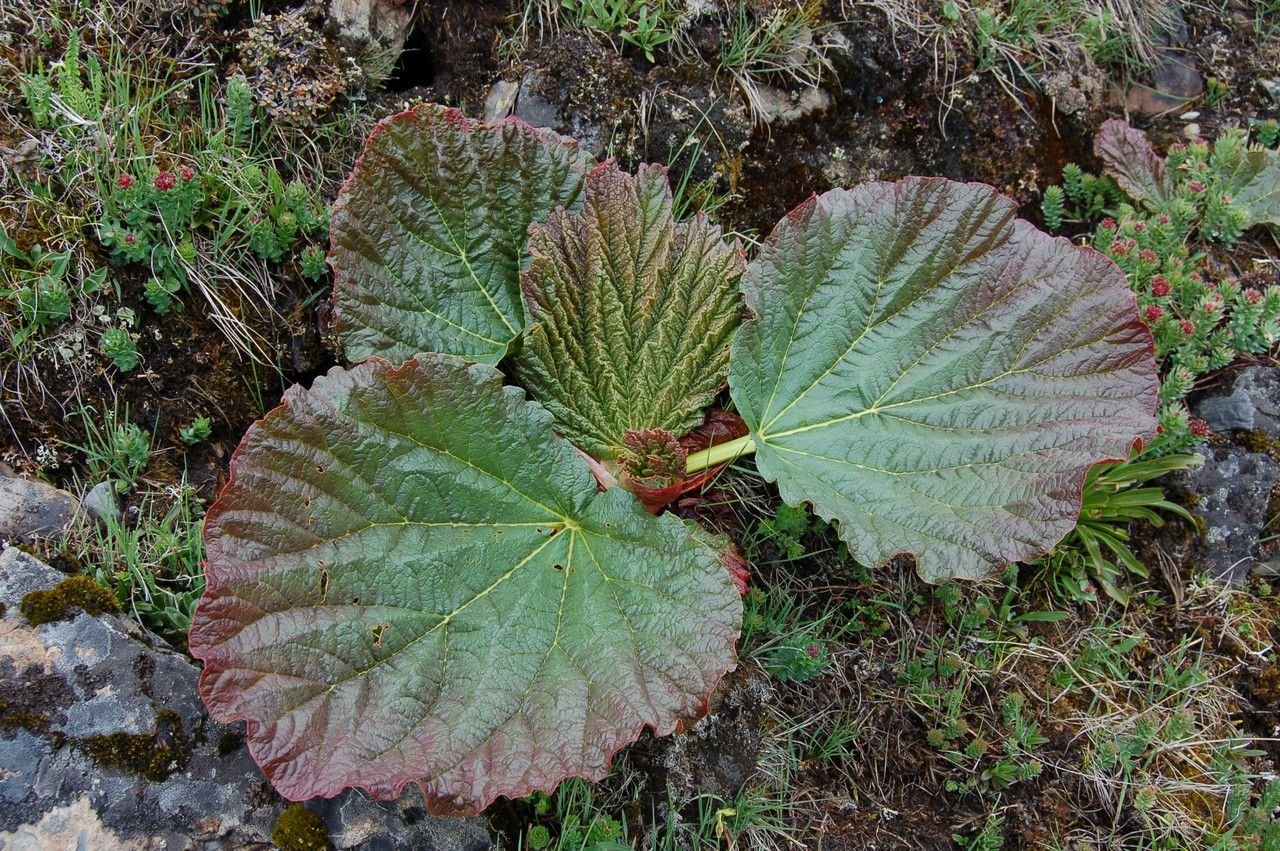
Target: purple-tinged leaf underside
[(632, 313), (411, 578), (936, 375), (428, 233), (1133, 163)]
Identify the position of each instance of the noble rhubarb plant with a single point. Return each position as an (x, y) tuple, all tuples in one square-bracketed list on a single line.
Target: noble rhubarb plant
[(420, 574)]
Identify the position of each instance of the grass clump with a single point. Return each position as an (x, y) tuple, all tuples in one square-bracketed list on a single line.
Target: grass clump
[(1096, 553), (151, 562)]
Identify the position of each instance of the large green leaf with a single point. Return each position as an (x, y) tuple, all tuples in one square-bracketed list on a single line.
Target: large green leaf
[(633, 313), (428, 232), (936, 375), (411, 578)]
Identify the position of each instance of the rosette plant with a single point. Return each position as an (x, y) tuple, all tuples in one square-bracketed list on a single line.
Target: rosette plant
[(424, 569)]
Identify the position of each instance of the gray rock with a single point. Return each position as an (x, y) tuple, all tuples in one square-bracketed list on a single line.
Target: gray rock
[(30, 509), (501, 100), (101, 502), (534, 107), (384, 23), (105, 743), (535, 100), (716, 755), (1175, 80), (1231, 494), (1250, 402)]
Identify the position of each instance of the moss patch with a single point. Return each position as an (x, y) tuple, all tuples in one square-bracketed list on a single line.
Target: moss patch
[(32, 700), (229, 743), (63, 600), (154, 756), (299, 829), (1259, 441)]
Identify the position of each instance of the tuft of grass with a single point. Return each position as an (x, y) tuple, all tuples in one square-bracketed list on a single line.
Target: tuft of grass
[(789, 45), (1096, 552), (149, 558), (1020, 41), (115, 450)]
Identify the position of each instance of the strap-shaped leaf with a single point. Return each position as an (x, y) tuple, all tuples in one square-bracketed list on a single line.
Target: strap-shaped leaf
[(633, 313), (1133, 163), (411, 578), (936, 375), (428, 232)]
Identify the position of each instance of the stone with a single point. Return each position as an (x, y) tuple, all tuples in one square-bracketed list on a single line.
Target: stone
[(1249, 402), (105, 744), (1175, 80), (501, 100), (1231, 494), (774, 104), (533, 106), (384, 23), (101, 502), (718, 754), (30, 509), (535, 99)]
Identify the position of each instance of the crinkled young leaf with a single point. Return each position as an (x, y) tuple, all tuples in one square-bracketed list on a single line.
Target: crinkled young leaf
[(1134, 164), (936, 375), (633, 313), (429, 230), (411, 578)]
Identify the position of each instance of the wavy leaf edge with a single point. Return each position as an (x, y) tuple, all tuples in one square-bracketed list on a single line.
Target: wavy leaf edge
[(442, 803), (1118, 449)]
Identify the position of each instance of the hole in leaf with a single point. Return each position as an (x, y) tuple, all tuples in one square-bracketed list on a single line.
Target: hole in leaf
[(378, 632), (355, 601), (324, 585), (319, 468), (558, 566)]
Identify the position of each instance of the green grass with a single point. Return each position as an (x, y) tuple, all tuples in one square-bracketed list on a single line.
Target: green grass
[(152, 563), (788, 46), (110, 123), (1096, 553)]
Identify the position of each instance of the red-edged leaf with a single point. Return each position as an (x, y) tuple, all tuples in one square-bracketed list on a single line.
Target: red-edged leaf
[(429, 231), (1135, 165), (411, 578), (936, 375)]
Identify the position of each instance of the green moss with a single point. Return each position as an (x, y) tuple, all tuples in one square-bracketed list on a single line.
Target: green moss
[(62, 600), (19, 718), (154, 756), (229, 743), (299, 829), (1258, 440)]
